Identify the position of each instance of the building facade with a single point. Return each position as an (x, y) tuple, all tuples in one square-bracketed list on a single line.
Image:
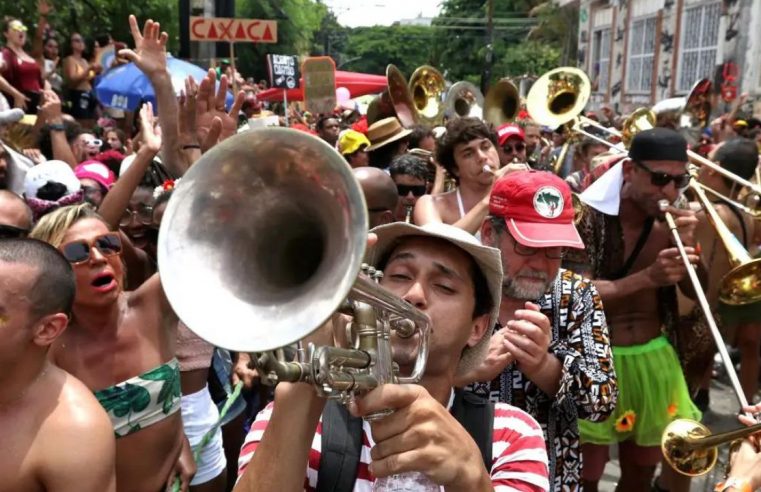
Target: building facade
[(638, 52)]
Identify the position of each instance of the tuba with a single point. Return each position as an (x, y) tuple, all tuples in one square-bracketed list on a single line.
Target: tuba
[(427, 87), (464, 100), (502, 102), (686, 112), (250, 268)]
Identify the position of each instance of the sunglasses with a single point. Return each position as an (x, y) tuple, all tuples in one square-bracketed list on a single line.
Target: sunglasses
[(518, 147), (96, 142), (417, 190), (77, 252), (661, 179), (144, 215), (11, 232)]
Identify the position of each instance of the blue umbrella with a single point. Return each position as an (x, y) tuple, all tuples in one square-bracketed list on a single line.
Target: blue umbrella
[(126, 87)]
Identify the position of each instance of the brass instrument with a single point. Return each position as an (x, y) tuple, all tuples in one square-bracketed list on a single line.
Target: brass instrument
[(427, 86), (502, 102), (395, 101), (250, 269), (464, 100), (691, 111), (690, 449), (557, 99)]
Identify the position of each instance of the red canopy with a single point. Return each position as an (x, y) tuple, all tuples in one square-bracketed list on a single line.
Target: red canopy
[(358, 84)]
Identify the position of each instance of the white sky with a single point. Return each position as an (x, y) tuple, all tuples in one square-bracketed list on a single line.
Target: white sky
[(354, 13)]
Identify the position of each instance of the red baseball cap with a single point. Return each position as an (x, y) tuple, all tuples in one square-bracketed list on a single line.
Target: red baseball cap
[(509, 130), (537, 209)]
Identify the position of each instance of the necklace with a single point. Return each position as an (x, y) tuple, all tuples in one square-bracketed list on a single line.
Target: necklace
[(24, 391)]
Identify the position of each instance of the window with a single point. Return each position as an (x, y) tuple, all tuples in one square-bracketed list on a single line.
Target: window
[(700, 38), (641, 51), (601, 59)]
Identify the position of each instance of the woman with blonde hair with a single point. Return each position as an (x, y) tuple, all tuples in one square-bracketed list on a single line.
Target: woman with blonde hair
[(121, 345)]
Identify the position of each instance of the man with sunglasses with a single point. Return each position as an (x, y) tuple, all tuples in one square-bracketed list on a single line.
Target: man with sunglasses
[(15, 215), (55, 434), (512, 144), (561, 373), (410, 175), (636, 267)]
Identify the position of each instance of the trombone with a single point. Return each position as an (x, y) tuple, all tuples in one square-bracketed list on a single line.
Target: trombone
[(690, 448), (685, 443)]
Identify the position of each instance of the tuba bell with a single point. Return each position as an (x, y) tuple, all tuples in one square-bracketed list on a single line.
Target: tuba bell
[(250, 268), (427, 87), (558, 96), (464, 100), (502, 102)]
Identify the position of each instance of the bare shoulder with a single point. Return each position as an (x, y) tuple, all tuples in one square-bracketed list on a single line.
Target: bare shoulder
[(77, 408)]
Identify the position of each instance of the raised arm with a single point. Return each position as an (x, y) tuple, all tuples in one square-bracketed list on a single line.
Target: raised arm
[(50, 113), (149, 56)]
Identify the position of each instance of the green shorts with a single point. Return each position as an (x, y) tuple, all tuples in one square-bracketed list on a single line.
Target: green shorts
[(651, 393)]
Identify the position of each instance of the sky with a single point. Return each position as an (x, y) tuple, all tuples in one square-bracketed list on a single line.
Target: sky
[(354, 13)]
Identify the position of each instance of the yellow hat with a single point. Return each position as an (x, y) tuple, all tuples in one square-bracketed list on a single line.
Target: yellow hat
[(17, 25), (350, 141)]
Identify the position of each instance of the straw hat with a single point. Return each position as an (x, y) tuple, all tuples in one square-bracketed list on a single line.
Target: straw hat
[(384, 132)]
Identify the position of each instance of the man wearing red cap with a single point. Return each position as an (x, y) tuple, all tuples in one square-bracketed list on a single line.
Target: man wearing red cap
[(512, 144), (566, 372)]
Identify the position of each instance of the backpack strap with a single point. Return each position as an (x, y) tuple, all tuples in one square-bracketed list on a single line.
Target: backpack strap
[(476, 415), (341, 449)]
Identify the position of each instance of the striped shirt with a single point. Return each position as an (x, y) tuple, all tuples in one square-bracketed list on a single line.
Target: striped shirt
[(519, 456)]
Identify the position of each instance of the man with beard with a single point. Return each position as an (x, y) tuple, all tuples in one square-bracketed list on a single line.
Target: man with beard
[(564, 373)]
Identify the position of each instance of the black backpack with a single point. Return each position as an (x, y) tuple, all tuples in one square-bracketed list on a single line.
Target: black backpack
[(342, 439)]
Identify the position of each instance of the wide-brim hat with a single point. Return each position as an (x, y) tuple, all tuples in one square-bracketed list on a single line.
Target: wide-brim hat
[(385, 131), (488, 259)]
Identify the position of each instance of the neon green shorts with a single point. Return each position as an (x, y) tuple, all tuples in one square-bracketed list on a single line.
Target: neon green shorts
[(651, 393)]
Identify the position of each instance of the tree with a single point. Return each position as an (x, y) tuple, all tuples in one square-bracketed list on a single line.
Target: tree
[(298, 22), (371, 49), (528, 58)]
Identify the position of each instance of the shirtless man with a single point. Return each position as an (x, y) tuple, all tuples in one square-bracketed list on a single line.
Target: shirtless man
[(465, 151), (55, 435), (635, 266)]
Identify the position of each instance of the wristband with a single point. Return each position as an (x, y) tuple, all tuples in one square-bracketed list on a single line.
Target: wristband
[(739, 484), (57, 127)]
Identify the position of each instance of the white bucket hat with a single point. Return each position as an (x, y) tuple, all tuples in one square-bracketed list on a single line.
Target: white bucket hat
[(488, 259)]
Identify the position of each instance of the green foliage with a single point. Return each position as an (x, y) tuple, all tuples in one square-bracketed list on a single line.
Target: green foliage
[(370, 49), (298, 23), (528, 57), (94, 17)]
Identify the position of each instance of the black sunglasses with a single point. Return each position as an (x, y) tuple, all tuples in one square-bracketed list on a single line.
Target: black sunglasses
[(661, 179), (416, 190), (77, 252), (11, 232), (518, 147)]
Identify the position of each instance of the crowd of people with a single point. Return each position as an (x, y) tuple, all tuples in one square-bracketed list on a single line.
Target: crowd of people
[(563, 318)]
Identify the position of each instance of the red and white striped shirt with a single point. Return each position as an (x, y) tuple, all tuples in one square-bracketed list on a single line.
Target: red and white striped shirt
[(519, 455)]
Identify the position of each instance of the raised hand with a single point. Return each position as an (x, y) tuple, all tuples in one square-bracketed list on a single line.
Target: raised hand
[(213, 123), (50, 110), (669, 268), (150, 47), (528, 338), (44, 8), (497, 358), (150, 134)]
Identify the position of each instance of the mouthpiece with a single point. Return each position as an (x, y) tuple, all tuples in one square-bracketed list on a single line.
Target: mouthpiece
[(663, 205), (487, 169)]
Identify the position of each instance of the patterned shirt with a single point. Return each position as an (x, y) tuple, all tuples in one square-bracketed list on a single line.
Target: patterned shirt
[(588, 387), (519, 459)]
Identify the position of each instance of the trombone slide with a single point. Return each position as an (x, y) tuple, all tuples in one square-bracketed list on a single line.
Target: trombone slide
[(705, 306)]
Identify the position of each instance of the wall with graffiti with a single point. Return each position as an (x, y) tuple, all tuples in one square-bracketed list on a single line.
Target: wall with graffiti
[(658, 48)]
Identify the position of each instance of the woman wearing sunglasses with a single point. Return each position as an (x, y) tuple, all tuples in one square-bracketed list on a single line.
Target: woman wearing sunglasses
[(122, 346)]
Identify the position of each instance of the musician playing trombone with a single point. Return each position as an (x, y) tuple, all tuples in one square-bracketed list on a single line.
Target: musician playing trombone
[(635, 267), (741, 325), (444, 272)]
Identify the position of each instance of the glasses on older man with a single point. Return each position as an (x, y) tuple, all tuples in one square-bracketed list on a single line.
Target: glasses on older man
[(553, 253)]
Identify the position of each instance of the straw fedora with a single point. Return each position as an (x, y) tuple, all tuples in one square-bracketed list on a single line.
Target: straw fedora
[(385, 131)]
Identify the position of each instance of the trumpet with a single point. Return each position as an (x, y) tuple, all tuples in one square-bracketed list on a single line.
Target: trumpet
[(690, 449), (234, 266)]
